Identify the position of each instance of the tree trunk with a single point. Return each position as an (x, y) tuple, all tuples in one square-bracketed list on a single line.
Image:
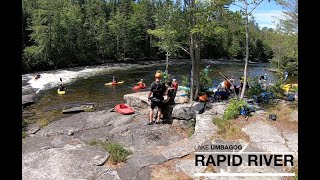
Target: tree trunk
[(197, 65), (193, 62), (194, 54), (247, 52), (167, 62)]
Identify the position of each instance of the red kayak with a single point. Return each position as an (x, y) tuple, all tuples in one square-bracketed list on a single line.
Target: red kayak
[(124, 109), (138, 87)]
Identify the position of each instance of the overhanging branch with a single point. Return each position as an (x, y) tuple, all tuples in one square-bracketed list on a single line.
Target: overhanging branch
[(255, 6), (184, 49)]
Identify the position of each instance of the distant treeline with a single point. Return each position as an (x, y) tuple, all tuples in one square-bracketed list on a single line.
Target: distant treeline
[(65, 33)]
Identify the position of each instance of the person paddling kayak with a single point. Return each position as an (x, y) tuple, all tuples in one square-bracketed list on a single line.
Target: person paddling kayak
[(37, 76), (61, 87), (114, 80), (141, 83)]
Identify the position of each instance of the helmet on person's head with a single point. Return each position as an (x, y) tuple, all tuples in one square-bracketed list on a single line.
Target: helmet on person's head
[(173, 79), (265, 74), (141, 79), (158, 75)]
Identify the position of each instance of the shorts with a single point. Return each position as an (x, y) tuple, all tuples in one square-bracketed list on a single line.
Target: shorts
[(156, 104)]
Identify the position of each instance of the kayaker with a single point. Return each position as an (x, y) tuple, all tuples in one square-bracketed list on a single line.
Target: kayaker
[(61, 87), (114, 80), (37, 76), (141, 83), (157, 90)]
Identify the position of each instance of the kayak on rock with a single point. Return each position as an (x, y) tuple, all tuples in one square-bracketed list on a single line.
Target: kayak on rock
[(124, 109)]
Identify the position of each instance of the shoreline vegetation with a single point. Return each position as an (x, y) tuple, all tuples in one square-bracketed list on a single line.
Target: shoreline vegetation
[(137, 61)]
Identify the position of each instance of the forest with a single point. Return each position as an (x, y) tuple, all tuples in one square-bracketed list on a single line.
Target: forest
[(69, 33)]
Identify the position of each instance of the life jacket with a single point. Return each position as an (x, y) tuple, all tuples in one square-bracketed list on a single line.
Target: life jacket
[(203, 98), (158, 90), (227, 84), (175, 85)]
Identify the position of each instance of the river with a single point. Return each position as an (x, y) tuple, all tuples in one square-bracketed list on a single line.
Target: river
[(86, 84)]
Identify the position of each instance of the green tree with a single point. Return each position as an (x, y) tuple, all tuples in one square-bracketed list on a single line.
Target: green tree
[(247, 11), (165, 33)]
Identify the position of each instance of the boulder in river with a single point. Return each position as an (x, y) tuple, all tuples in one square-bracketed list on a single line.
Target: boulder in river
[(78, 108)]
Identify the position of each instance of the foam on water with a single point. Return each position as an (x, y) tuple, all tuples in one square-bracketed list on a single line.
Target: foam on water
[(51, 79)]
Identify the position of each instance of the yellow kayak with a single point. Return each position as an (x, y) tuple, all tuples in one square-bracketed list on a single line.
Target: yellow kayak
[(287, 87), (61, 92), (111, 83)]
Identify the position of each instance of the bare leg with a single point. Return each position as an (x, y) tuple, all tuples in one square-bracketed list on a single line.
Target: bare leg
[(151, 115), (159, 114)]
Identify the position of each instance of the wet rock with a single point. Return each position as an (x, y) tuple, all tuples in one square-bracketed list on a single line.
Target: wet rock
[(78, 108)]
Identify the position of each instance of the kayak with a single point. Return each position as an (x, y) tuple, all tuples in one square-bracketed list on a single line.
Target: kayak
[(111, 83), (184, 88), (61, 92), (124, 109), (287, 87), (138, 87)]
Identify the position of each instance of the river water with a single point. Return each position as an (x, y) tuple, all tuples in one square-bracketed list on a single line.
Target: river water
[(86, 84)]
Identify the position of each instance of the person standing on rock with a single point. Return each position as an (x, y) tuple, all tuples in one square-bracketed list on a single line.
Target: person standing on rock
[(157, 90), (286, 74)]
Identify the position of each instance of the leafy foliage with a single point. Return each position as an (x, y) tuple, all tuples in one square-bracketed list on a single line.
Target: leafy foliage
[(62, 33), (233, 108), (255, 87), (117, 152)]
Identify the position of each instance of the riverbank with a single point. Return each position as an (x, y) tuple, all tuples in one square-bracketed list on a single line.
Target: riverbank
[(63, 149)]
